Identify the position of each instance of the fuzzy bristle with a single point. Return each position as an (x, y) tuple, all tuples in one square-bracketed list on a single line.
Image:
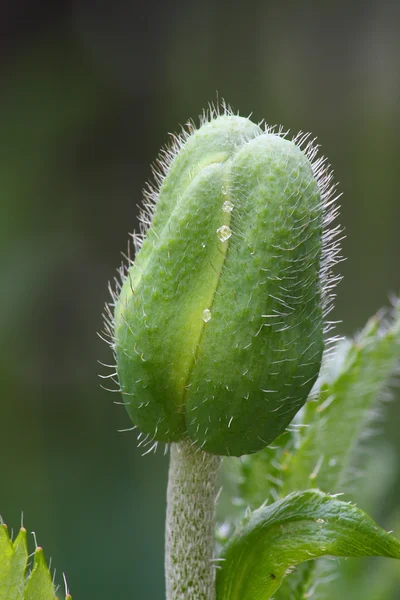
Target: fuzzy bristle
[(331, 236)]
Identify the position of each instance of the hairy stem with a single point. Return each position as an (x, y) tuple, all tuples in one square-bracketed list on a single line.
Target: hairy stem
[(190, 524)]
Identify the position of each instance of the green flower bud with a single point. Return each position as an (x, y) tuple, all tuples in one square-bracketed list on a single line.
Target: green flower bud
[(218, 326)]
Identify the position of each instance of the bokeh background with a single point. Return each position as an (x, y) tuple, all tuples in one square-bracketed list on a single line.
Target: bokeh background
[(89, 90)]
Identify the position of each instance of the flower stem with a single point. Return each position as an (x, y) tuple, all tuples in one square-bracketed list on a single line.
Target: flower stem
[(190, 523)]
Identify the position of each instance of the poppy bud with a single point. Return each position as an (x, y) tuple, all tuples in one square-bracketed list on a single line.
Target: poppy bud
[(218, 326)]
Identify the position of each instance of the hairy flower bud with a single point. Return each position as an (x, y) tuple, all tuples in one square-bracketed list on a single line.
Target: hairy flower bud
[(218, 326)]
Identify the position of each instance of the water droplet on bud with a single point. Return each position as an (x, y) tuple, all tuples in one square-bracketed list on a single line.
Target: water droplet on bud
[(224, 190), (206, 315), (227, 206), (224, 233)]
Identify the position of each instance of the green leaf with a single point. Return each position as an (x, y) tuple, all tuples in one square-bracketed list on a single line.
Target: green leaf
[(14, 585), (258, 476), (305, 525), (40, 583), (356, 579), (318, 451), (251, 481), (13, 561), (321, 448), (348, 393), (359, 580)]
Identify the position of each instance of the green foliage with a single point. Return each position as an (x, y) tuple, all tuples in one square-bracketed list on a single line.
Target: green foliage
[(319, 449), (305, 525), (360, 579), (14, 583), (13, 562), (346, 401), (258, 477)]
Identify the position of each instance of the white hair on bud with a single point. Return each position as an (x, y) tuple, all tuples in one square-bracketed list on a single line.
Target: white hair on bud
[(331, 235)]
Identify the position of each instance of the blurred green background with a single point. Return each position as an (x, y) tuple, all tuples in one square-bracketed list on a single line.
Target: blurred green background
[(88, 91)]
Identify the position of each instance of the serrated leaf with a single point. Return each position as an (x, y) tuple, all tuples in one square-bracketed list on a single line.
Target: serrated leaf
[(357, 580), (6, 547), (13, 561), (250, 482), (319, 448), (301, 527), (326, 432), (40, 583), (258, 476), (348, 393), (14, 585)]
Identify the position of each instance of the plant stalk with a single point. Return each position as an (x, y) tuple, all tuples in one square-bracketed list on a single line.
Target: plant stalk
[(190, 523)]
